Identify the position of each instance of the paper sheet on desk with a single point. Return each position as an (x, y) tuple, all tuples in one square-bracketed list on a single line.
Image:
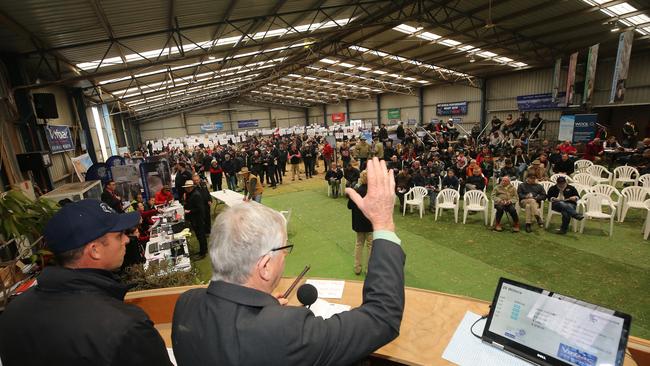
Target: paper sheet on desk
[(466, 350), (327, 309), (328, 289)]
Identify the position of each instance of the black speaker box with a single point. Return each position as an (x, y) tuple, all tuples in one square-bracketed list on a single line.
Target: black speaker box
[(45, 105)]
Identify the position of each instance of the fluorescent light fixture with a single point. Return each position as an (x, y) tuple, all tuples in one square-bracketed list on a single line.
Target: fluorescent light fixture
[(345, 64), (329, 61), (429, 36), (363, 68), (449, 42), (380, 72)]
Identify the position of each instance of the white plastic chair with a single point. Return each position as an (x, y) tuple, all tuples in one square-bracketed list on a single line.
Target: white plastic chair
[(414, 197), (494, 212), (633, 197), (475, 201), (580, 166), (625, 174), (341, 187), (646, 225), (644, 181), (597, 172), (515, 183), (554, 178), (592, 204), (447, 199), (584, 179), (608, 191), (546, 184)]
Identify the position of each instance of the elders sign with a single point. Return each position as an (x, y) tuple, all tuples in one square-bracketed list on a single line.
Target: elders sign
[(59, 138)]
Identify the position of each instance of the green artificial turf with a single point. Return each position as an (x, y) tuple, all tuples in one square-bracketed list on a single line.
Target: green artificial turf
[(469, 259)]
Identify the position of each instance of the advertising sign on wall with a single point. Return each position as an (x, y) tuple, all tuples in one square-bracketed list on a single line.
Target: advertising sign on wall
[(622, 66), (394, 113), (248, 123), (451, 109), (566, 127), (536, 102), (59, 138), (584, 127), (212, 127), (338, 117)]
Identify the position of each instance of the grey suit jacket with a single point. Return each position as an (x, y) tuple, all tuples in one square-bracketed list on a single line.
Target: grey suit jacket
[(228, 324)]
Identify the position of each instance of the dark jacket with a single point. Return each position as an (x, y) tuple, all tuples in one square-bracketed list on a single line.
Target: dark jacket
[(569, 191), (196, 205), (111, 200), (537, 190), (228, 324), (360, 222), (450, 182), (566, 167), (477, 180), (336, 174), (78, 317)]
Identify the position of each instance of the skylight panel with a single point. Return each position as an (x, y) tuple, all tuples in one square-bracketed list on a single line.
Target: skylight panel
[(329, 61), (638, 19), (487, 54), (345, 64), (622, 8), (380, 72), (429, 36), (363, 68), (405, 28), (449, 42)]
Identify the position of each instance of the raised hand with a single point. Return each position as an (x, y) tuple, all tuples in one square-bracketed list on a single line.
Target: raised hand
[(378, 203)]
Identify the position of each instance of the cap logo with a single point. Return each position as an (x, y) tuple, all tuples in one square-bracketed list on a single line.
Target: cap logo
[(106, 208)]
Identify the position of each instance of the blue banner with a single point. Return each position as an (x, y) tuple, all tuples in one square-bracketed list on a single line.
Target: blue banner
[(59, 138), (536, 102), (451, 109), (248, 123), (212, 127), (584, 127)]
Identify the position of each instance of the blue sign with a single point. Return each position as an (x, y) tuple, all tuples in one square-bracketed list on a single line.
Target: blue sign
[(59, 138), (212, 127), (584, 127), (451, 109), (536, 102), (249, 123)]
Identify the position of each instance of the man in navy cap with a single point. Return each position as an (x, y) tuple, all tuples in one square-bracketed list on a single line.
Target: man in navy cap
[(75, 315)]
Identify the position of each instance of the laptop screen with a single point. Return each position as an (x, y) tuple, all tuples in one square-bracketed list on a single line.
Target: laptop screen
[(550, 328)]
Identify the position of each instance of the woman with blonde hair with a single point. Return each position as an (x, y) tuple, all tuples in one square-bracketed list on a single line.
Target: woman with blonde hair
[(361, 225)]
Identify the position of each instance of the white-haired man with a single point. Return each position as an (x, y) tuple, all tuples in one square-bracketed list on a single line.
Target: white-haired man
[(236, 320)]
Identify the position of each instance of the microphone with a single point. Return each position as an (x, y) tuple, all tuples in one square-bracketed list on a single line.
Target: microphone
[(307, 294)]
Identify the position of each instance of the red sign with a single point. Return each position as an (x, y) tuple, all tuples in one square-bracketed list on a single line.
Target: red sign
[(338, 117)]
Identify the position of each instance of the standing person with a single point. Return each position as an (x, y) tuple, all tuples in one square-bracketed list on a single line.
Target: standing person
[(252, 187), (248, 262), (230, 168), (362, 152), (328, 154), (333, 178), (505, 199), (307, 157), (216, 175), (400, 132), (281, 167), (630, 134), (564, 199), (269, 167), (345, 154), (531, 194), (201, 186), (294, 158), (361, 226), (75, 314), (110, 197), (195, 214), (182, 176)]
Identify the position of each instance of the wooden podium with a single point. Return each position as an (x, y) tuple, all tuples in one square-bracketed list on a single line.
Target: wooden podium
[(430, 320)]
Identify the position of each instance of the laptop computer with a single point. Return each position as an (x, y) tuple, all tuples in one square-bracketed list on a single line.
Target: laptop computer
[(547, 328)]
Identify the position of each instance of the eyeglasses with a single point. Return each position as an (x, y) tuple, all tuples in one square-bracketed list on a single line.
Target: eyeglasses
[(287, 248)]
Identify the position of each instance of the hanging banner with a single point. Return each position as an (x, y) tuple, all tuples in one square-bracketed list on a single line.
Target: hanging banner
[(212, 127), (571, 79), (451, 109), (590, 74), (394, 113), (249, 123), (584, 127), (556, 81), (81, 165), (59, 138), (622, 66), (411, 122), (338, 117), (537, 102), (565, 132)]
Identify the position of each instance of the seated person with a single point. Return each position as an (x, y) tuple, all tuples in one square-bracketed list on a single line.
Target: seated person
[(564, 198), (508, 170), (403, 183), (567, 148), (475, 181), (333, 178), (564, 166), (531, 194), (505, 199), (594, 151), (450, 180), (236, 320), (134, 251), (164, 196)]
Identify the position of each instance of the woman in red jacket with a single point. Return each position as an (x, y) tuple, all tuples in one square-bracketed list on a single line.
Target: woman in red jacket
[(216, 175)]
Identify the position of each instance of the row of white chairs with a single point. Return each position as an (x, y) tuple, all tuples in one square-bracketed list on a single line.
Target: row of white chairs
[(623, 174), (477, 201)]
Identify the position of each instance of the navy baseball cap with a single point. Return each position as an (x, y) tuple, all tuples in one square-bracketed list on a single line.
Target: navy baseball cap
[(77, 224), (560, 179)]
